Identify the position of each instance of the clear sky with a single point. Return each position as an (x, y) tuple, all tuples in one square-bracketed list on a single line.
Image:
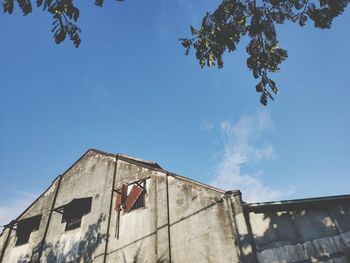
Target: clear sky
[(130, 89)]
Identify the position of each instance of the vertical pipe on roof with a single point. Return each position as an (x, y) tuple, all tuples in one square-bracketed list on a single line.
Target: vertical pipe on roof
[(242, 228), (230, 212), (234, 222), (110, 208), (49, 219), (168, 214), (155, 181)]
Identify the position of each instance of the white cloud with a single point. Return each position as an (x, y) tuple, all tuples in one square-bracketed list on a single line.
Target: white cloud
[(241, 147), (12, 209), (206, 125)]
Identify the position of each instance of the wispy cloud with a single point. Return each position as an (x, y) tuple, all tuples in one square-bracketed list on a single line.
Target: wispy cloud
[(206, 125), (242, 147), (13, 208)]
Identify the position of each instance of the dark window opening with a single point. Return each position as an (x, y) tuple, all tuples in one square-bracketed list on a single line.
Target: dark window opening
[(74, 211), (25, 227)]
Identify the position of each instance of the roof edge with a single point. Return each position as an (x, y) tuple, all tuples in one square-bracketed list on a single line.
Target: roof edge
[(196, 182), (32, 203), (148, 164), (296, 203)]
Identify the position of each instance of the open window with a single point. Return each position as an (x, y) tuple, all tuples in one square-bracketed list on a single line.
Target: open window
[(135, 199), (73, 212), (25, 227), (131, 197)]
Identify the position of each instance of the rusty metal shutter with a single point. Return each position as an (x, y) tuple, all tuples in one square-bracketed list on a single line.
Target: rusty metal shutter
[(132, 197)]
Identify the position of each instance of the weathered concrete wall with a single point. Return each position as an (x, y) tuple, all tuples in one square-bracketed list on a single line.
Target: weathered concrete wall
[(143, 232), (139, 229), (200, 224), (199, 221), (182, 221), (311, 234), (91, 176)]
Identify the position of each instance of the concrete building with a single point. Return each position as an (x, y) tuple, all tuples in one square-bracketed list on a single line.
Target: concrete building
[(115, 208)]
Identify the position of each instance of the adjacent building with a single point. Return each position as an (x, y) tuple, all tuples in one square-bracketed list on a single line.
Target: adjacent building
[(116, 208)]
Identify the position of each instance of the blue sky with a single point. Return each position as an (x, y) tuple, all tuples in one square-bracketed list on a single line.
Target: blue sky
[(130, 89)]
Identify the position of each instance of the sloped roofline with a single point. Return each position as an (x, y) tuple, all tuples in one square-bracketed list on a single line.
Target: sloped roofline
[(154, 166), (183, 178), (133, 160), (145, 163), (128, 158), (123, 157), (32, 203), (251, 207)]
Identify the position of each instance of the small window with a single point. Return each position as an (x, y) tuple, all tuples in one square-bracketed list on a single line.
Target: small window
[(74, 211), (130, 197), (25, 227)]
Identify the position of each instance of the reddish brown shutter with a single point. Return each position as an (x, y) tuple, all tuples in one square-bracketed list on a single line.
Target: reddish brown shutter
[(132, 197), (118, 201)]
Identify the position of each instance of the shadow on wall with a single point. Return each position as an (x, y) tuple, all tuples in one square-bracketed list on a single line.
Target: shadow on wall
[(162, 258), (81, 250), (137, 259), (304, 234)]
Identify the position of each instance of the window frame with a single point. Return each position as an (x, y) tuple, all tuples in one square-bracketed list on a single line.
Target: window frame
[(70, 213)]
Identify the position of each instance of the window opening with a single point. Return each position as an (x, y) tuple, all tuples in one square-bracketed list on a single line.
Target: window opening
[(135, 199), (73, 212), (25, 227)]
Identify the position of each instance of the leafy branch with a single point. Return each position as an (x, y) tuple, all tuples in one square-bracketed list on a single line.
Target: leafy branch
[(223, 29), (65, 15)]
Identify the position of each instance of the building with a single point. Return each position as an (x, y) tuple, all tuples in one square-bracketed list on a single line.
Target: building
[(115, 208)]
